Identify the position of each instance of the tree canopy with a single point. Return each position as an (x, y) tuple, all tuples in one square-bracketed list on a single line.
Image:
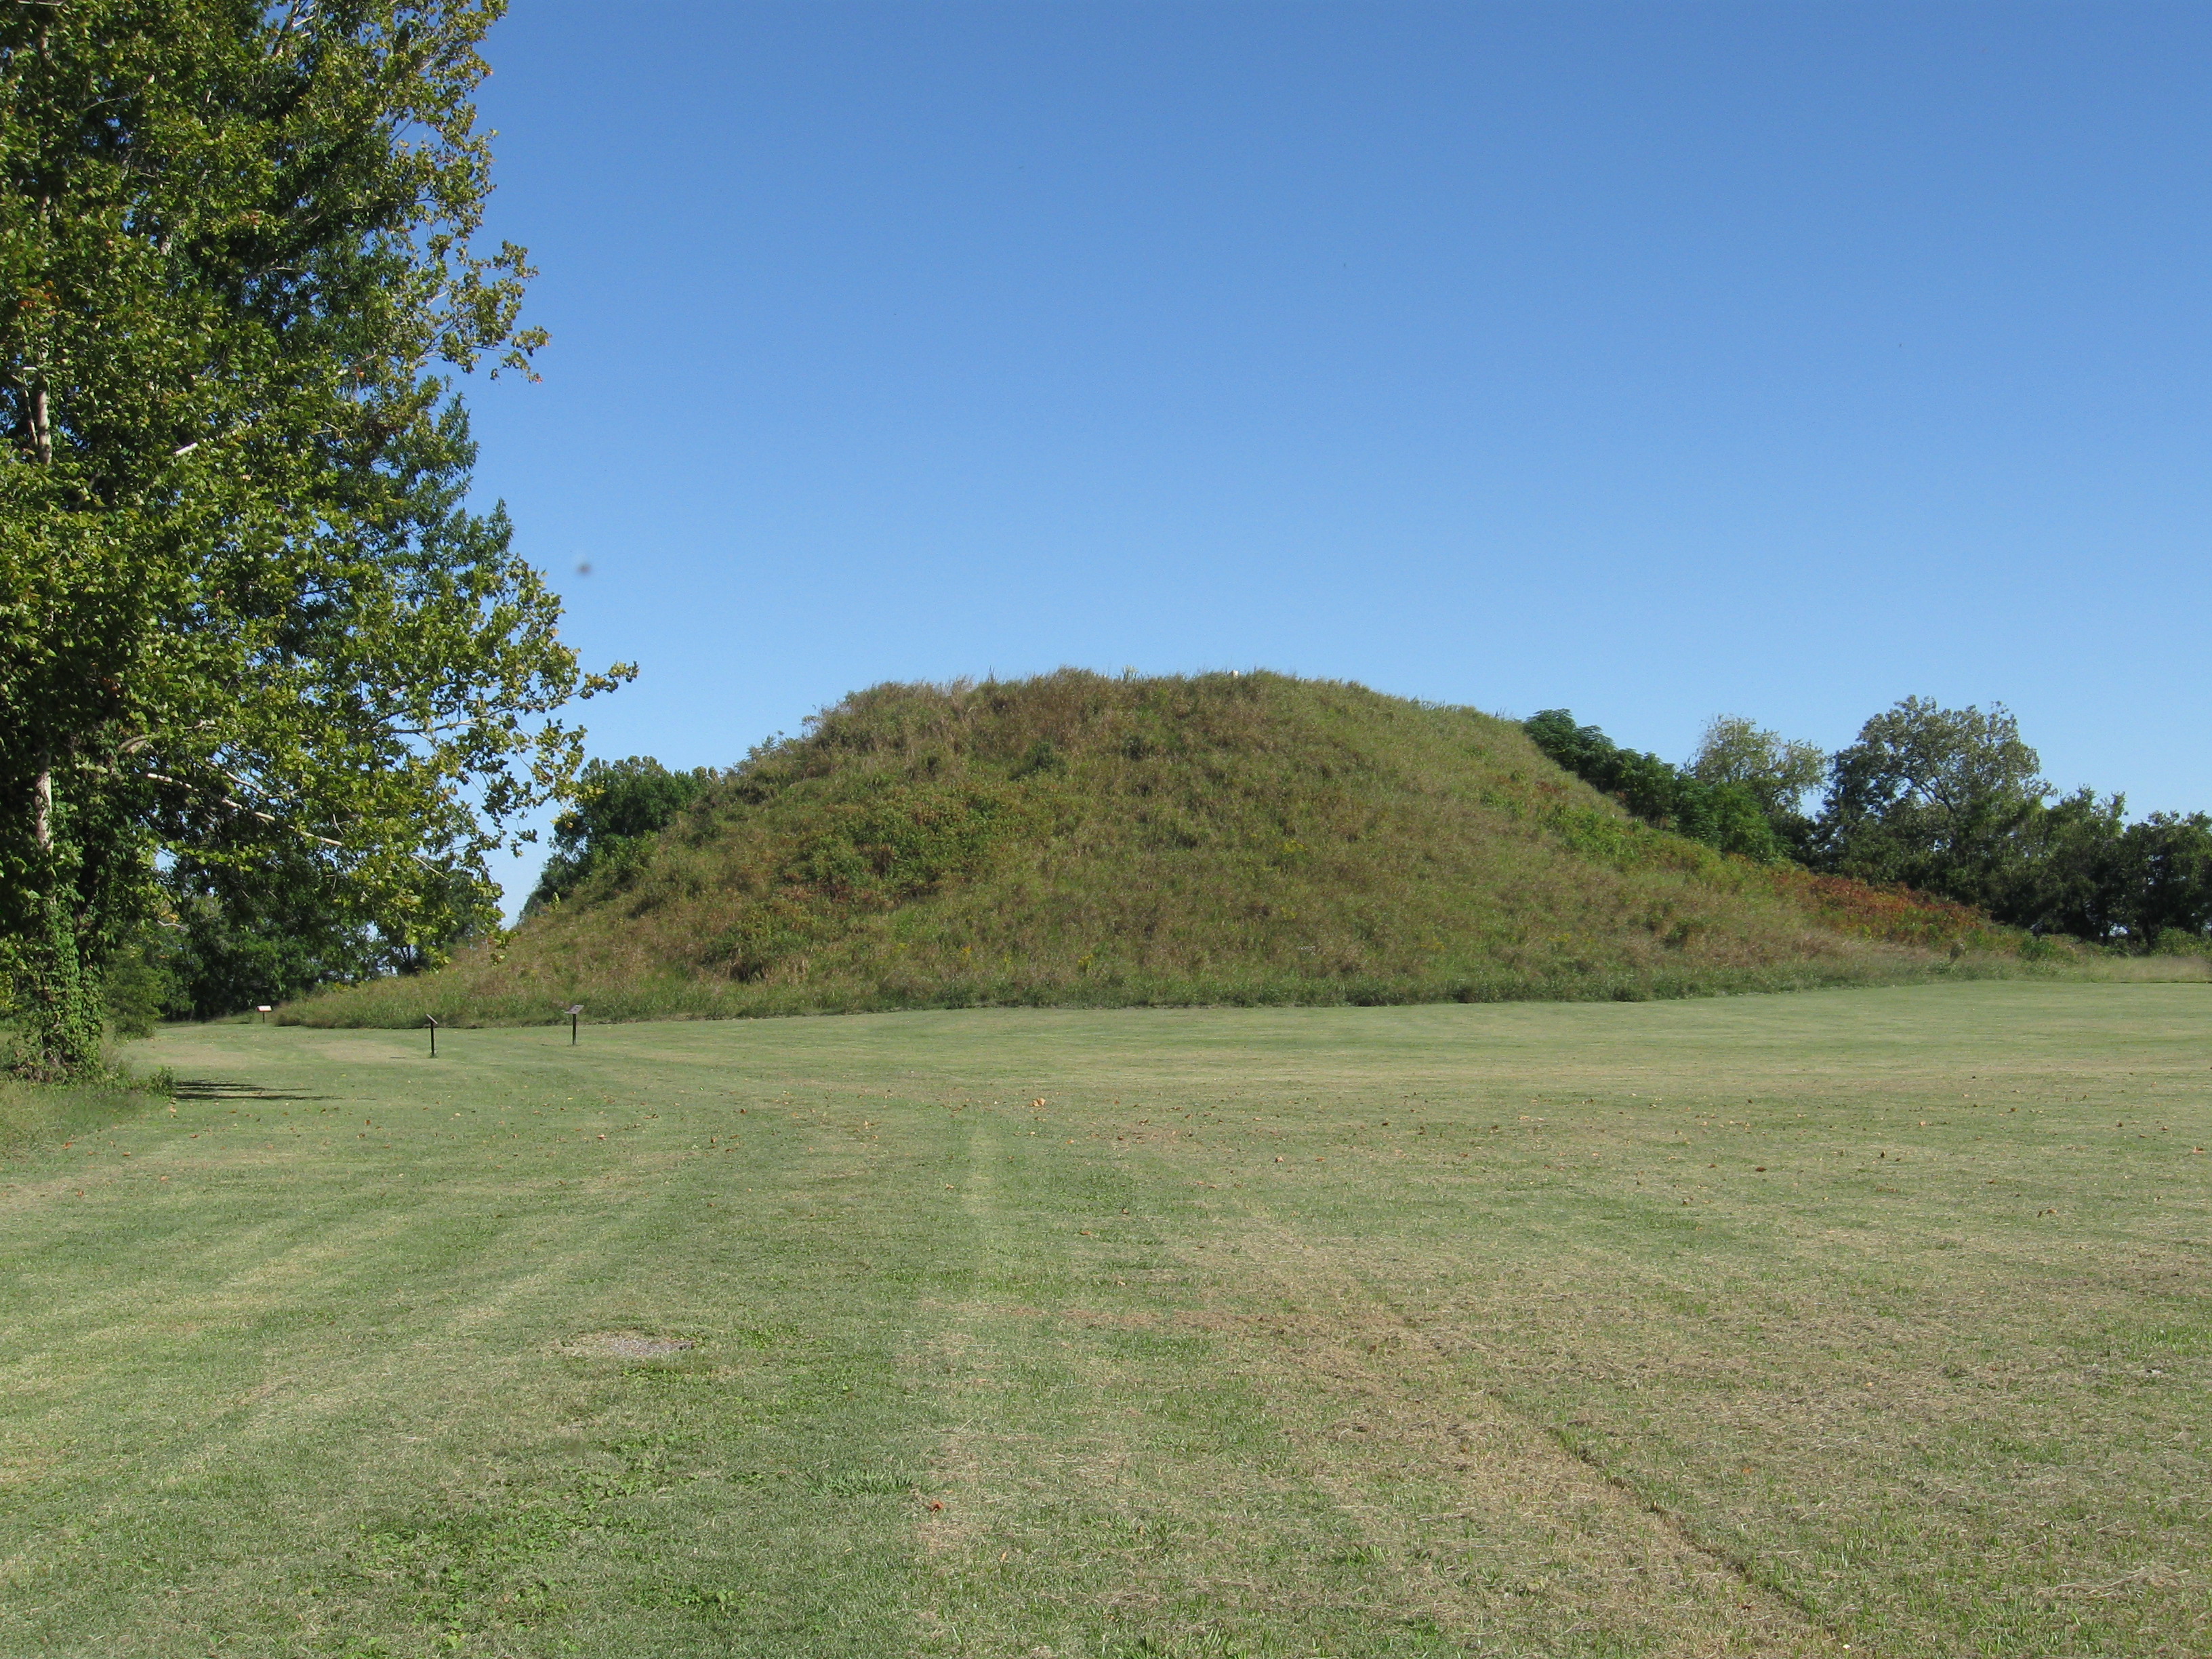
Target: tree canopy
[(246, 619), (1932, 798), (1776, 771)]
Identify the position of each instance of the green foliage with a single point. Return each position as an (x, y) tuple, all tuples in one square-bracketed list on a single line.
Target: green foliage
[(1933, 799), (239, 937), (2060, 873), (245, 613), (1928, 801), (1777, 772), (2078, 867), (58, 1001), (141, 988), (1948, 801), (1728, 813), (1044, 756), (617, 807), (2166, 868), (1074, 839)]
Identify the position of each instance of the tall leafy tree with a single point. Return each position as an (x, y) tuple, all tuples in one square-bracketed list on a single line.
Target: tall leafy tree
[(1934, 798), (1778, 771), (2068, 871), (244, 614)]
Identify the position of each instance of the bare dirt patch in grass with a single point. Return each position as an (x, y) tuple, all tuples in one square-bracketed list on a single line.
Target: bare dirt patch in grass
[(627, 1345)]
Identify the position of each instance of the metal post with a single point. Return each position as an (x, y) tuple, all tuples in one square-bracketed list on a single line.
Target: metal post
[(434, 1034), (575, 1009)]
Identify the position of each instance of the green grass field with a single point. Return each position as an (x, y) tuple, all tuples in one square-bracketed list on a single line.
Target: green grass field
[(1865, 1321)]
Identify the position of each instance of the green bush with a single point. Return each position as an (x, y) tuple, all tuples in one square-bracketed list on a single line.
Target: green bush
[(1725, 816)]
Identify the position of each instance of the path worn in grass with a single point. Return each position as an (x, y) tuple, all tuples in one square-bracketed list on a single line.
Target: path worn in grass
[(1871, 1319)]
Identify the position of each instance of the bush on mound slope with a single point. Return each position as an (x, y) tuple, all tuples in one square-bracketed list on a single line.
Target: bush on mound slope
[(1079, 839)]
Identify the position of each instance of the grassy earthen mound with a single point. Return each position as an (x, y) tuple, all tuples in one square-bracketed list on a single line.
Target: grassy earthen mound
[(1076, 840)]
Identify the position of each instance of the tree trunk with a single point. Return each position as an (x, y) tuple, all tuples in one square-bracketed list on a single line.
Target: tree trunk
[(64, 1019), (63, 1016), (42, 427)]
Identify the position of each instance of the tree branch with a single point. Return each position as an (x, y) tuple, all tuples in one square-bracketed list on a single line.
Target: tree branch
[(235, 805)]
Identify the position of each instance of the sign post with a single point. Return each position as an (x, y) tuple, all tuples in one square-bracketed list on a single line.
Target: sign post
[(433, 1020), (575, 1009)]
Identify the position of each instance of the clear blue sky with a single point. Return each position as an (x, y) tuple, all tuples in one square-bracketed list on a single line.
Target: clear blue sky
[(1650, 360)]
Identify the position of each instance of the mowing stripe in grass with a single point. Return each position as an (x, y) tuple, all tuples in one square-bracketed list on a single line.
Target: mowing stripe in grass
[(1381, 1332)]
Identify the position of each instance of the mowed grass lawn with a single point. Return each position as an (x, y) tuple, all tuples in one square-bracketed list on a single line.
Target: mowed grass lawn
[(1870, 1320)]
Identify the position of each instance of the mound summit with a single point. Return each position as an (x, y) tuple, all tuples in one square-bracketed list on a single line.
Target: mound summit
[(1078, 840)]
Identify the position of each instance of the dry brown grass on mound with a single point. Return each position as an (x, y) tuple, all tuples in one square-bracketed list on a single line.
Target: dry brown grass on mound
[(1895, 915)]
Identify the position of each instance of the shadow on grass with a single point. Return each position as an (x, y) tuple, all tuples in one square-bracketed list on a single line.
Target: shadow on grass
[(210, 1088)]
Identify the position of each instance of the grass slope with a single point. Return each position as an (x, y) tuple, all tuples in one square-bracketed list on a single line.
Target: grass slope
[(1074, 840), (1754, 1325)]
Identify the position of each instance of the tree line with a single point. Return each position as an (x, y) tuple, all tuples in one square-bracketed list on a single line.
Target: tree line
[(1947, 801)]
